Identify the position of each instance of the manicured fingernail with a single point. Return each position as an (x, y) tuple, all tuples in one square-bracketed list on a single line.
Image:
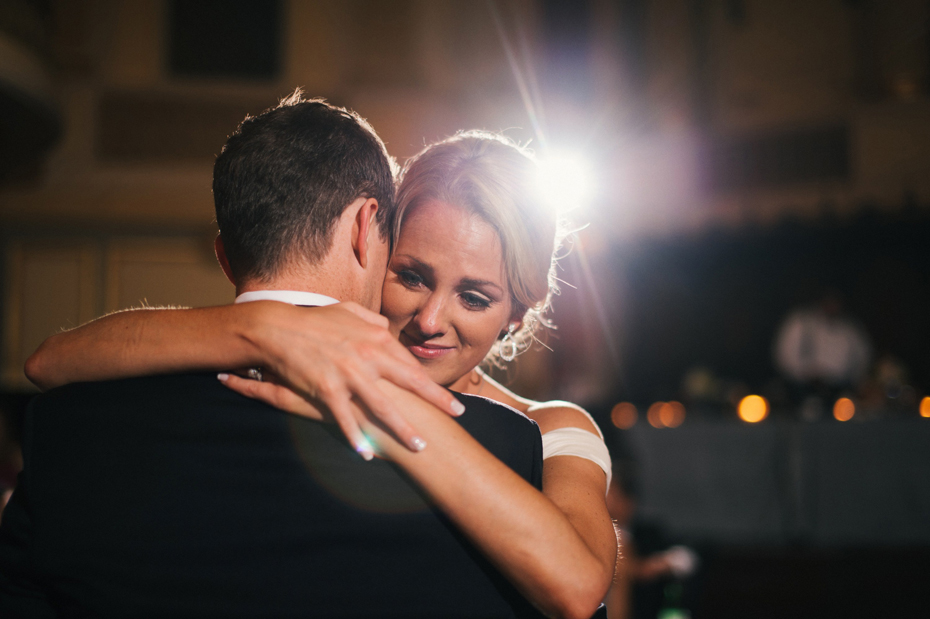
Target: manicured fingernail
[(365, 450), (418, 443), (457, 408), (223, 377)]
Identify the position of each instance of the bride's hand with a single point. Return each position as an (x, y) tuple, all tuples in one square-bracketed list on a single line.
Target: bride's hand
[(329, 355)]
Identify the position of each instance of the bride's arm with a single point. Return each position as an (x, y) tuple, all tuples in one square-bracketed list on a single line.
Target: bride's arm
[(519, 529), (575, 484), (341, 350), (146, 341)]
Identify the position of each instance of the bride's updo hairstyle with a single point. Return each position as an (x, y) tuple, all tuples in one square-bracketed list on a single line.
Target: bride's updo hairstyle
[(497, 179)]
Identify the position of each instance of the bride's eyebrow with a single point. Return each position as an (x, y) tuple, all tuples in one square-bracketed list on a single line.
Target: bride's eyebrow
[(418, 263), (480, 283)]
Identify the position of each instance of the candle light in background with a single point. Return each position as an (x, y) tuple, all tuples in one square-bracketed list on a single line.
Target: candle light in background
[(652, 415), (753, 408), (844, 409), (672, 414), (624, 415)]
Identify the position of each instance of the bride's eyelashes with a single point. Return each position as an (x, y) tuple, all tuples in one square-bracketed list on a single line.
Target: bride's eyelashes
[(419, 277), (410, 279), (475, 301)]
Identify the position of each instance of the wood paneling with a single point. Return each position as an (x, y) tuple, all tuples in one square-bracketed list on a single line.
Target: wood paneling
[(162, 272), (49, 287), (58, 283)]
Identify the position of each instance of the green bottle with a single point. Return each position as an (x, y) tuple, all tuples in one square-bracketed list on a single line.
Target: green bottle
[(671, 606)]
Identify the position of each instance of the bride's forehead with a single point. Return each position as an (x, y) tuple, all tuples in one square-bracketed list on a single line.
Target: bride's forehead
[(439, 234), (438, 220), (438, 210)]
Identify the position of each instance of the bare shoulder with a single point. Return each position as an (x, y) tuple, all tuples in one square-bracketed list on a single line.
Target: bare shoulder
[(557, 414), (550, 415)]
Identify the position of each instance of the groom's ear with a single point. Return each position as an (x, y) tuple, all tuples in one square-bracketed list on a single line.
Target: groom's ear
[(364, 226), (221, 258)]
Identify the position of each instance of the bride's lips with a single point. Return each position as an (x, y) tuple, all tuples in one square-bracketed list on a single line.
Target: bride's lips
[(425, 350), (428, 352)]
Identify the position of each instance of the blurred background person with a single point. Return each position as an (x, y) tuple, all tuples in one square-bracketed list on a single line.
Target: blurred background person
[(823, 352), (652, 574)]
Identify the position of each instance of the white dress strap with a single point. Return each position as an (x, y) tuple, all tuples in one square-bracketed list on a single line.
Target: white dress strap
[(579, 443)]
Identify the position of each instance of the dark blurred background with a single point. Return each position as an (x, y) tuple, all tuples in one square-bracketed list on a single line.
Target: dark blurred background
[(757, 235)]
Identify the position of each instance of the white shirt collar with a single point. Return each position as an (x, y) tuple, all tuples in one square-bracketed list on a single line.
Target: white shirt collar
[(294, 297)]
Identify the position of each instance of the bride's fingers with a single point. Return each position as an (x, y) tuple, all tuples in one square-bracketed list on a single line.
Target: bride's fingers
[(345, 418), (416, 381), (386, 412), (377, 348), (402, 369), (382, 356), (351, 380)]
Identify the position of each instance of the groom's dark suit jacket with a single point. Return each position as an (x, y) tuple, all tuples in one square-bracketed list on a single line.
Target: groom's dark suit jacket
[(173, 496)]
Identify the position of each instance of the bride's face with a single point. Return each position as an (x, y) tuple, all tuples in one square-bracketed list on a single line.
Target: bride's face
[(446, 291)]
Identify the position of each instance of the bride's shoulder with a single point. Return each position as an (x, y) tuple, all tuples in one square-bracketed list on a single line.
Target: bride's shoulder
[(556, 414)]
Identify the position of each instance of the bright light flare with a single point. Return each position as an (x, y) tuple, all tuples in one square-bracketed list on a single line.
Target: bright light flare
[(565, 181), (753, 409)]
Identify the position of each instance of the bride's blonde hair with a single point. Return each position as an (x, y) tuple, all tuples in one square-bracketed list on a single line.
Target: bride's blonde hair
[(497, 179)]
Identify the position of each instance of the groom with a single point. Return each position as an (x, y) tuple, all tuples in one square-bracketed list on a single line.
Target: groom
[(174, 496)]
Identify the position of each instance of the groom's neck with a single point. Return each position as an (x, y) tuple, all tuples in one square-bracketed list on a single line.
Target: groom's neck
[(322, 278), (324, 287)]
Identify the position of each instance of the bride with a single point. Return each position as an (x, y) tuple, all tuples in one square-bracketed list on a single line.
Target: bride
[(470, 277)]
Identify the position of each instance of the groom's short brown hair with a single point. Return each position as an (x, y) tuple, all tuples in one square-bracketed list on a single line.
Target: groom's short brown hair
[(285, 177)]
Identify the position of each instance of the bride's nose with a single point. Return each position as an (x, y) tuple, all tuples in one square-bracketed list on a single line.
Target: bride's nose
[(430, 318)]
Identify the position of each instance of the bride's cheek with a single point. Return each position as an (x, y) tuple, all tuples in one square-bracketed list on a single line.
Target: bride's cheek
[(398, 304)]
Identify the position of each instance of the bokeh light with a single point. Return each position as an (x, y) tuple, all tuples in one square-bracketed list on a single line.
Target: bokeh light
[(925, 407), (565, 181), (624, 415), (652, 415), (753, 408), (666, 414), (672, 414), (844, 409)]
